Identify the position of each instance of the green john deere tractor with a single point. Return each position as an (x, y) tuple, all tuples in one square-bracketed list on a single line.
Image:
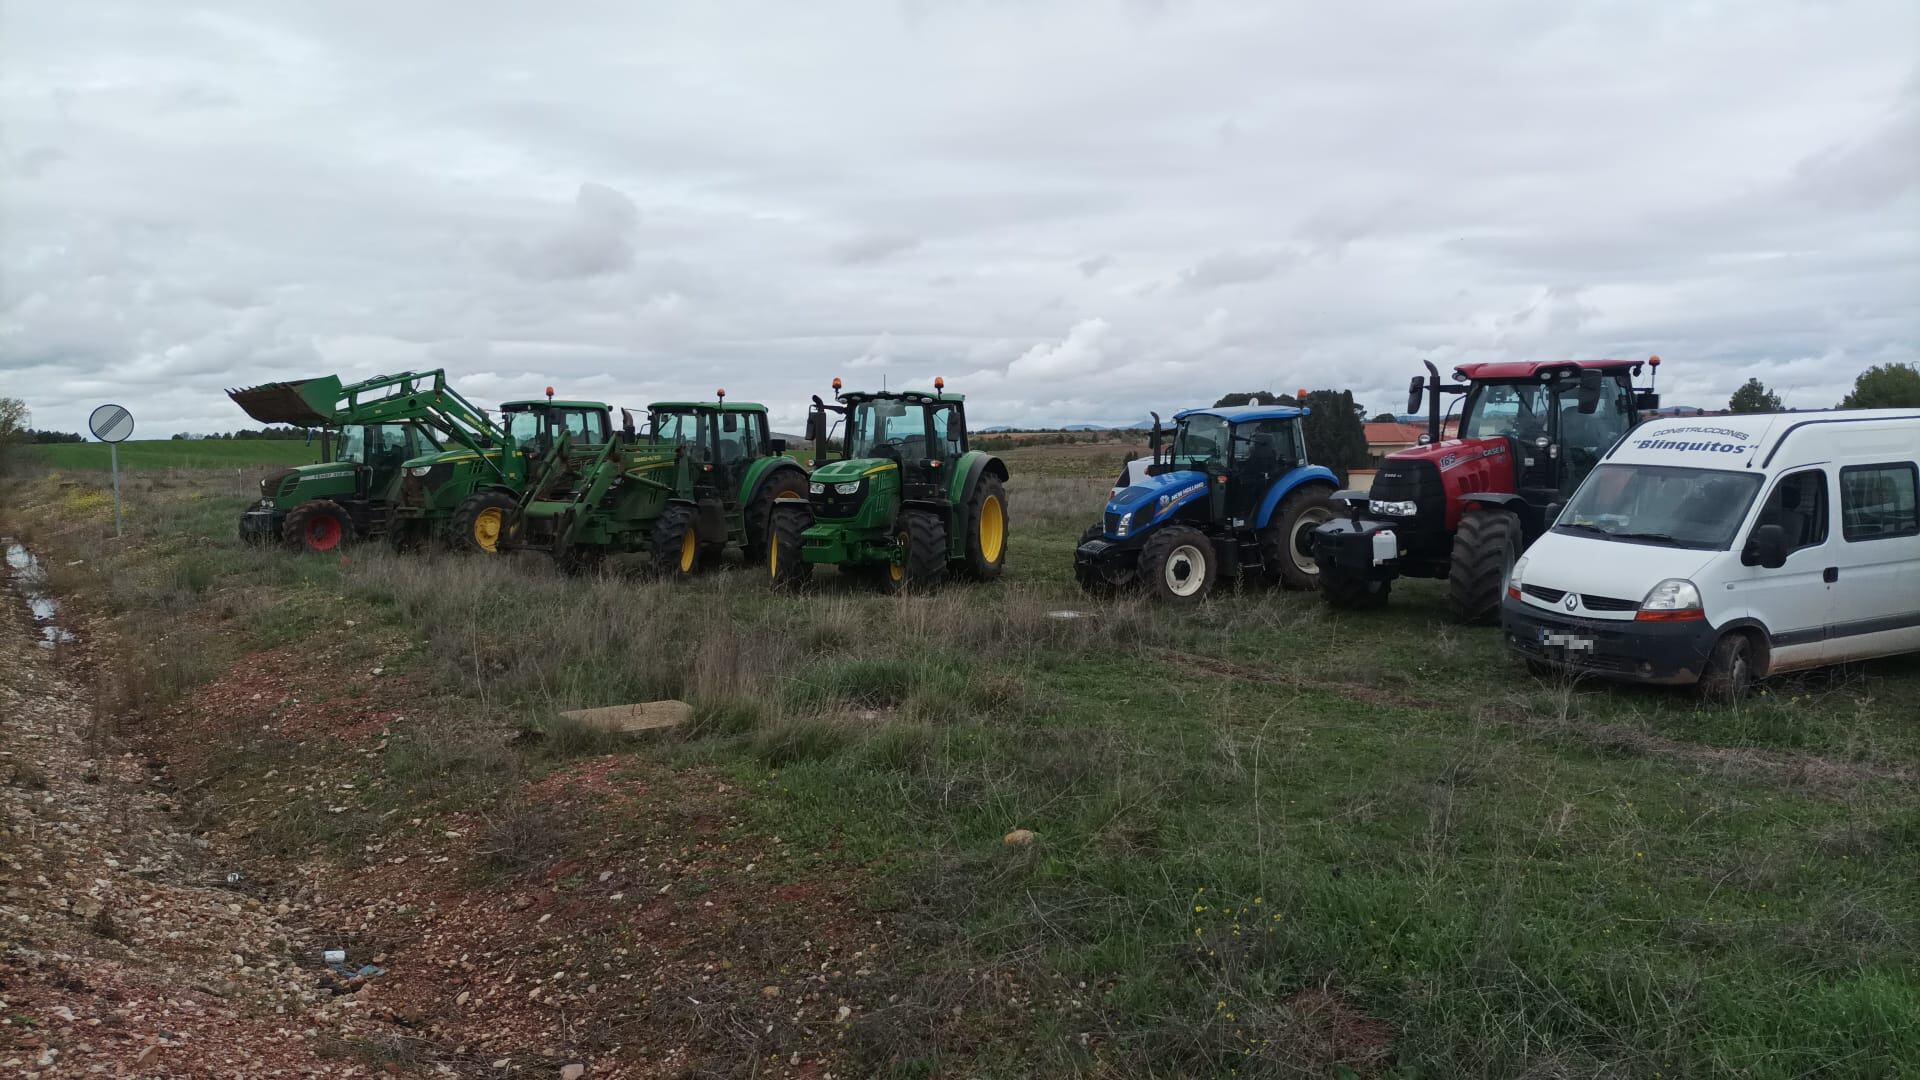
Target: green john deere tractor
[(705, 475), (368, 431), (907, 501)]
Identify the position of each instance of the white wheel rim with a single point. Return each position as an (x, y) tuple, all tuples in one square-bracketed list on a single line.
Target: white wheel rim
[(1186, 570), (1302, 529)]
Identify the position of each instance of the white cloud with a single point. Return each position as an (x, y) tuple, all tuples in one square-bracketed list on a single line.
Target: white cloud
[(1075, 211)]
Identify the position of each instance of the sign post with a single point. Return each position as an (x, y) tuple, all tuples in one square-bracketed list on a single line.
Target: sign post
[(111, 424)]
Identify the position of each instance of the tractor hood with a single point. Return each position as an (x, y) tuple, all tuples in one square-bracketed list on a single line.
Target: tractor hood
[(301, 402), (449, 457), (840, 472), (1155, 497)]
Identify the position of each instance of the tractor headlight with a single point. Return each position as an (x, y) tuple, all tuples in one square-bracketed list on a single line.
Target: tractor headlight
[(1124, 525), (1401, 508), (852, 487), (816, 489), (420, 470)]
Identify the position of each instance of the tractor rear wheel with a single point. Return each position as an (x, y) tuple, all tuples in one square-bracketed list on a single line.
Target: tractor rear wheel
[(1352, 593), (1178, 565), (484, 523), (675, 544), (1484, 551), (759, 512), (923, 542), (1286, 544), (320, 525), (786, 568), (985, 522)]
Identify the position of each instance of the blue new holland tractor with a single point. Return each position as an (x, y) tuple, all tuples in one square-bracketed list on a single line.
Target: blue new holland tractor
[(1234, 492)]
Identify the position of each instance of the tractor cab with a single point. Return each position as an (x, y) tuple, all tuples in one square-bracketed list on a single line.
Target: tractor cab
[(1557, 423), (382, 452), (720, 438), (912, 435), (539, 424)]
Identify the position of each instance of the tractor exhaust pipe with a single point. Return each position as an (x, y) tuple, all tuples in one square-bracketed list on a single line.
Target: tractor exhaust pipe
[(1433, 402)]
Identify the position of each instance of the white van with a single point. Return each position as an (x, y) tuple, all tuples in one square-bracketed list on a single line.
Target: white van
[(1721, 549)]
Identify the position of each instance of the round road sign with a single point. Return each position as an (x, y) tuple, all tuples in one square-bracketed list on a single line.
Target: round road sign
[(111, 423)]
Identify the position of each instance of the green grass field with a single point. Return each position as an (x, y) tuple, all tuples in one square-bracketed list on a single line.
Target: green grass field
[(136, 454), (1272, 839)]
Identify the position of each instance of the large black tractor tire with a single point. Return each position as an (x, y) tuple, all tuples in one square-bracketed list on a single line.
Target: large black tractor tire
[(924, 537), (1484, 551), (1178, 565), (1286, 544), (786, 569), (1730, 670), (405, 537), (986, 523), (485, 523), (759, 511), (1351, 593), (1091, 580), (674, 547), (318, 526)]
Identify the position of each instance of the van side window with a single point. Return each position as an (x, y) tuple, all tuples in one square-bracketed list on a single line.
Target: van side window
[(1879, 501), (1798, 504)]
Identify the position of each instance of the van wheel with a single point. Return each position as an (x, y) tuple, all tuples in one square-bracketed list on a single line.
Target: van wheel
[(1729, 672)]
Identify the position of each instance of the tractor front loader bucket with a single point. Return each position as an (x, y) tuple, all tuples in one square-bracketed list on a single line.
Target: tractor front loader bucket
[(302, 402)]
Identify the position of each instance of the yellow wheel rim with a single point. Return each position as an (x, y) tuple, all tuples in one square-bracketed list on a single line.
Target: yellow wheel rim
[(486, 528), (689, 550), (773, 558), (993, 528), (898, 571)]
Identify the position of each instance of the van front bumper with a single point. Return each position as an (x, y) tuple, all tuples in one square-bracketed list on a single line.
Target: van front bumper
[(1649, 652)]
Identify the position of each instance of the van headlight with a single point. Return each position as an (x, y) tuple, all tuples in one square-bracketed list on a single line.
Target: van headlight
[(1519, 567), (816, 489), (1125, 525), (851, 487), (1397, 508), (1673, 600)]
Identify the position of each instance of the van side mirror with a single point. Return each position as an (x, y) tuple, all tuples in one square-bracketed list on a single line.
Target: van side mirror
[(1415, 390), (1766, 547), (1589, 394)]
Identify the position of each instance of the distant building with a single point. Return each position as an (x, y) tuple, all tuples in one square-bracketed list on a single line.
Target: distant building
[(1384, 438)]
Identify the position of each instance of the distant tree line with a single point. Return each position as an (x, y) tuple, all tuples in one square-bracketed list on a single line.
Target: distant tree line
[(244, 434), (33, 435)]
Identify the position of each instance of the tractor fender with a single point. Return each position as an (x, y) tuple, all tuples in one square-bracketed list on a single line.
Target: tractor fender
[(974, 465), (1532, 518), (769, 468), (1305, 474)]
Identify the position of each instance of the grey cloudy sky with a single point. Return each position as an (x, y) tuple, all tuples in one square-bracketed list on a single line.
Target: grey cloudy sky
[(1075, 211)]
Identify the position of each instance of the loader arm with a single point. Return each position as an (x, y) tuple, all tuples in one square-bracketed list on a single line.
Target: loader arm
[(422, 396)]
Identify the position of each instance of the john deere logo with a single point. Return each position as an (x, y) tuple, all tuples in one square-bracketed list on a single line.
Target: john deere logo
[(1572, 601)]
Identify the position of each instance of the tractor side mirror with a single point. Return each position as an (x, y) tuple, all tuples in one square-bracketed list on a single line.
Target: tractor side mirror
[(778, 446), (816, 423), (626, 422), (1645, 401), (1766, 547), (1416, 389), (729, 422), (1589, 393), (957, 427)]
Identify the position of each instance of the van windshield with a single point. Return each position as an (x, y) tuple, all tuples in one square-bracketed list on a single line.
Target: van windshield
[(1661, 504)]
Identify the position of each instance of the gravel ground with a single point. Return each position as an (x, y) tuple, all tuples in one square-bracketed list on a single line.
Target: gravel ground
[(124, 948)]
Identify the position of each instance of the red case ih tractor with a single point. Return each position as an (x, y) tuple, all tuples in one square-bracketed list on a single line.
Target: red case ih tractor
[(1464, 508)]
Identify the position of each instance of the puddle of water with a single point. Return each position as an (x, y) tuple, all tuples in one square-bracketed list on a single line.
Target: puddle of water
[(30, 581)]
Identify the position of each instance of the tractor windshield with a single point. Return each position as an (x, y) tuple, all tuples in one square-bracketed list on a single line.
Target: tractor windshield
[(1660, 504), (523, 425), (675, 426), (1517, 409), (1200, 438), (881, 426)]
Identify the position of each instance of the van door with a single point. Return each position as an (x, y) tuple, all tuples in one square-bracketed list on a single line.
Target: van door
[(1793, 600), (1876, 602)]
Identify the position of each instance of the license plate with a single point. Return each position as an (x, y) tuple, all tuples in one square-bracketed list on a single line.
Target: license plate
[(1569, 642)]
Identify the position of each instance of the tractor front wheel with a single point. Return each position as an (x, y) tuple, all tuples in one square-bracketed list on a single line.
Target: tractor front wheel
[(1353, 593), (922, 537), (483, 524), (1484, 551), (789, 483), (320, 525), (1178, 566), (986, 531), (786, 569), (675, 545), (1286, 544)]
